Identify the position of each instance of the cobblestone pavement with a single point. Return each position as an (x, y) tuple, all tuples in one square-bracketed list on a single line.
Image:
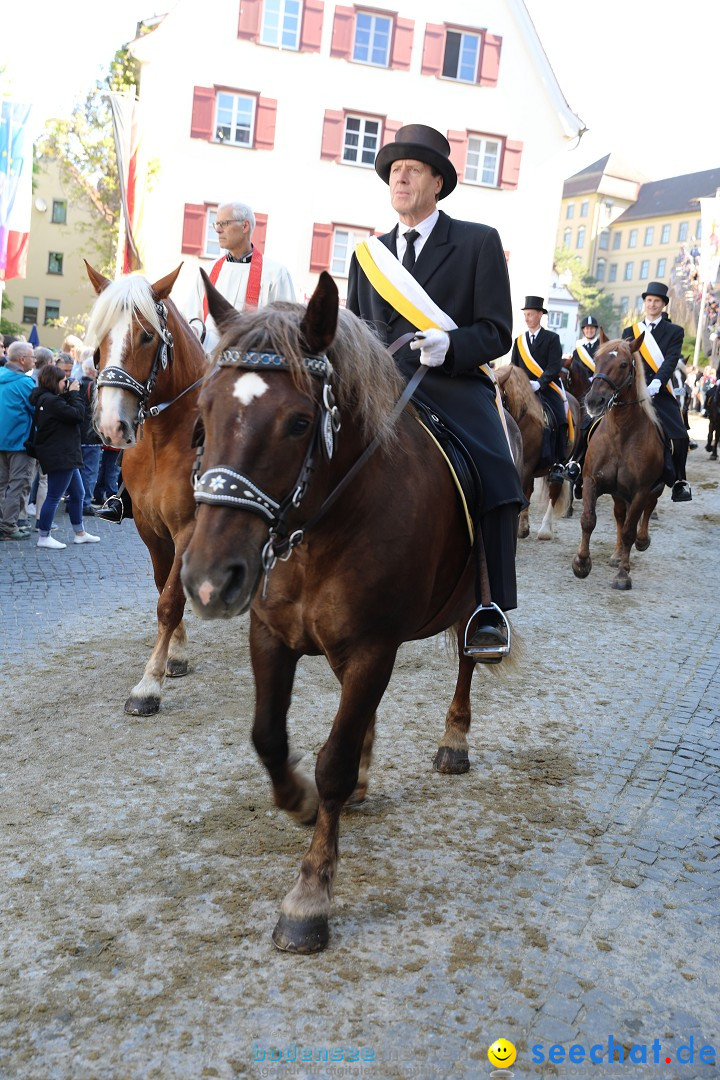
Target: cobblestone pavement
[(564, 893)]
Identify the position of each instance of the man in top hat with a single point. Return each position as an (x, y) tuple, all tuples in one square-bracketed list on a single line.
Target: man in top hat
[(539, 353), (458, 267), (661, 350)]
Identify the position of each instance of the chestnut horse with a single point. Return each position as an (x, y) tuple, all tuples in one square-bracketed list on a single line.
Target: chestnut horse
[(350, 572), (527, 411), (624, 458), (150, 365)]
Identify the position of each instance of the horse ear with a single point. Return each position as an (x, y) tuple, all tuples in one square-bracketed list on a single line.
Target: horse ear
[(162, 288), (320, 322), (637, 342), (221, 311), (98, 280), (603, 337)]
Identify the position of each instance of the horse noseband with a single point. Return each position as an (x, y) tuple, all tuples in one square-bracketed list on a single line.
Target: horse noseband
[(118, 377)]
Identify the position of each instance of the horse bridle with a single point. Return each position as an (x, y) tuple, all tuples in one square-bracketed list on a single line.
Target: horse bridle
[(617, 390)]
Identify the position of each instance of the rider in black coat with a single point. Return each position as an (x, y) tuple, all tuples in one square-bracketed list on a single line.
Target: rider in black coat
[(545, 349)]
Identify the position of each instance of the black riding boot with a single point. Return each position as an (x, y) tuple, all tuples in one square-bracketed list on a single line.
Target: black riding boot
[(681, 492)]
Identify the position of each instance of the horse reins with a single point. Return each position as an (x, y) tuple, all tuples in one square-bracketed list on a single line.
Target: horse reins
[(614, 401)]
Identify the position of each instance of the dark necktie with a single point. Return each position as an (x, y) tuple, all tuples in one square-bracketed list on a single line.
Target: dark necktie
[(532, 338), (409, 257)]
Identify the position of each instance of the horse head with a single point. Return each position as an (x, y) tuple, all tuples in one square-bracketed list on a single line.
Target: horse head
[(616, 373), (128, 326)]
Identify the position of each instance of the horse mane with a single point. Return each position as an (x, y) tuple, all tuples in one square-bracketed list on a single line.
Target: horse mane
[(644, 401), (132, 295), (365, 378)]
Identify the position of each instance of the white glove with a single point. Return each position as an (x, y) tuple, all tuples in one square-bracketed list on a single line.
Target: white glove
[(653, 388), (534, 385), (433, 345)]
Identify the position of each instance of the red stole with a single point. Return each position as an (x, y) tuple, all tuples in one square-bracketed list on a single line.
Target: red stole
[(252, 295)]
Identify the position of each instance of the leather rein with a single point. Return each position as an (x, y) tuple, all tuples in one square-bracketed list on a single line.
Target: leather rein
[(614, 400)]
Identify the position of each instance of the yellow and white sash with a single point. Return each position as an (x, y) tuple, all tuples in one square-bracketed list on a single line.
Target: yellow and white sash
[(532, 365), (399, 288), (650, 350), (585, 356)]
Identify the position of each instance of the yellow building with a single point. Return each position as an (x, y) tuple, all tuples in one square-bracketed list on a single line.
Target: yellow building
[(61, 234)]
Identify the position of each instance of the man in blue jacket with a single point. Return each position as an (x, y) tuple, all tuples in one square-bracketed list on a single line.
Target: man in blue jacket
[(16, 414)]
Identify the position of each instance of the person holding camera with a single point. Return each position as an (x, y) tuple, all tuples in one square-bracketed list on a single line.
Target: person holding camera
[(59, 414)]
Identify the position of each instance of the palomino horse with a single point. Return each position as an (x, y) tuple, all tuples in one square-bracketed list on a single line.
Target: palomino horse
[(624, 458), (149, 359), (350, 572), (526, 410)]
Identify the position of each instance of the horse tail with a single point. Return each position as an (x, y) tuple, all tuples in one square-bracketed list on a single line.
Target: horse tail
[(561, 503)]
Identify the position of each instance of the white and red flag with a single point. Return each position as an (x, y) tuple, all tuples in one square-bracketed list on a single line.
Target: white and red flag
[(131, 174), (16, 161)]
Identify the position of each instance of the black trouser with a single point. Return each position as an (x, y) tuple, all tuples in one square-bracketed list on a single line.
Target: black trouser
[(499, 533)]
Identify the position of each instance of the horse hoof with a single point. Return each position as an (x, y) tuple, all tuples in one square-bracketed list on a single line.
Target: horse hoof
[(301, 935), (358, 796), (142, 706), (451, 762), (624, 584), (175, 669), (713, 457), (523, 532), (614, 561), (544, 534), (642, 545), (581, 569)]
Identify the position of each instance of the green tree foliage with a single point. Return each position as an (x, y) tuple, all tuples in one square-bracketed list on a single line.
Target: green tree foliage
[(589, 293)]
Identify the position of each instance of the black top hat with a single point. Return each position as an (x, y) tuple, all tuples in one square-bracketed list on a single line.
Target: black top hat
[(419, 143), (656, 288), (589, 320), (534, 303)]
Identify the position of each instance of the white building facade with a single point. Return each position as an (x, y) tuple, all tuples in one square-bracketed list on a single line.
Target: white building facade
[(283, 104)]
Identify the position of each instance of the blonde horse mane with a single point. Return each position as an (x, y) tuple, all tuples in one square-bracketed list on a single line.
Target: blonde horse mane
[(365, 379), (131, 295)]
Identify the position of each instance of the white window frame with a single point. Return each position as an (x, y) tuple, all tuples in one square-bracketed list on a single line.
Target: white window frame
[(236, 99), (212, 249), (570, 211), (644, 269), (624, 305), (476, 170), (276, 12), (375, 21), (661, 267), (665, 235), (343, 245), (628, 271), (633, 238), (683, 232), (649, 235), (47, 316), (362, 135), (612, 273), (584, 208), (567, 238), (30, 303), (580, 238), (617, 241), (600, 268), (464, 61), (604, 240)]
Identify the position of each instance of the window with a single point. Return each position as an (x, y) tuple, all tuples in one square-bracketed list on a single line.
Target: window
[(644, 269), (600, 270), (362, 140), (682, 231), (462, 52), (649, 235), (483, 161), (665, 235), (604, 241), (632, 238), (570, 212), (557, 320), (199, 238), (580, 242), (698, 229), (281, 23), (627, 276), (343, 245), (52, 310), (372, 39), (662, 263), (234, 119), (211, 247), (617, 241), (59, 212), (55, 263), (612, 273), (624, 305), (584, 206), (30, 309), (567, 238)]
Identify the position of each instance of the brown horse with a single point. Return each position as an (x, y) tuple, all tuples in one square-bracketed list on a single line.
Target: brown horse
[(712, 408), (527, 411), (387, 561), (624, 457), (149, 360)]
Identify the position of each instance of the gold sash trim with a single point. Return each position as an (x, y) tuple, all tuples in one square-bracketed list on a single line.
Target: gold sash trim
[(585, 356), (650, 351), (532, 365)]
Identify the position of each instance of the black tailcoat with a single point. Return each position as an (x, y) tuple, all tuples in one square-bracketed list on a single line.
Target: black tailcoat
[(669, 337), (546, 351), (462, 267)]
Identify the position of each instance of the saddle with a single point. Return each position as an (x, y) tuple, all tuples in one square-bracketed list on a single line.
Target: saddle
[(465, 474)]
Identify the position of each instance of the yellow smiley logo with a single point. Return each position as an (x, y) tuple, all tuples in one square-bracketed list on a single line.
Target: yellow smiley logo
[(501, 1054)]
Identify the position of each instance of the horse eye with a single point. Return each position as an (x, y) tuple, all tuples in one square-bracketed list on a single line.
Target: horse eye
[(298, 426), (146, 337)]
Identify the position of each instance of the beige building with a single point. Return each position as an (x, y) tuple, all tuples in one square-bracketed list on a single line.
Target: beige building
[(56, 285)]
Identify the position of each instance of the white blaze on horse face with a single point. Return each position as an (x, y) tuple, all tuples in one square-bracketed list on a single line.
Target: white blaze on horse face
[(248, 387), (113, 401)]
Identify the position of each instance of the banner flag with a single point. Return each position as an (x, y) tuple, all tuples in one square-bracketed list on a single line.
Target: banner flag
[(16, 162), (126, 133)]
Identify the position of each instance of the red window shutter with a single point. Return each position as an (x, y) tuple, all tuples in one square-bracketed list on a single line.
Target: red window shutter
[(433, 49), (203, 112), (510, 164), (343, 30), (458, 151), (260, 231), (490, 60), (321, 247), (265, 116), (390, 130), (402, 44), (332, 137), (312, 22), (249, 19), (193, 234)]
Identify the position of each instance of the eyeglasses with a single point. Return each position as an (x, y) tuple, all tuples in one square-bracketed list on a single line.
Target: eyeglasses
[(230, 221)]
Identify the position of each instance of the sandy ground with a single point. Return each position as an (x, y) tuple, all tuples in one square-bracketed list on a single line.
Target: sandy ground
[(144, 865)]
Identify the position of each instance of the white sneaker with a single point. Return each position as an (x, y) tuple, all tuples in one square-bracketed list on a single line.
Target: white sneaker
[(31, 509), (49, 542), (85, 538)]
